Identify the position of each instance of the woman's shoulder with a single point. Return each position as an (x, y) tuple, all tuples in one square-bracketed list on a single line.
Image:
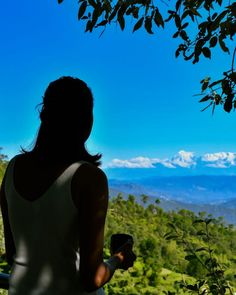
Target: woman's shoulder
[(90, 173), (91, 181)]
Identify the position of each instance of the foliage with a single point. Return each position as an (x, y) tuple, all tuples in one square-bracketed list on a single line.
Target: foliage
[(200, 26), (178, 252), (202, 258), (3, 164)]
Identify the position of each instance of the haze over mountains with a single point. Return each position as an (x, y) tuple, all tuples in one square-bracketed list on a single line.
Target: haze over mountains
[(206, 183)]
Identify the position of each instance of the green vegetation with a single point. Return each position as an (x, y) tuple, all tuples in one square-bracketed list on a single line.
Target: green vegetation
[(3, 164), (177, 252)]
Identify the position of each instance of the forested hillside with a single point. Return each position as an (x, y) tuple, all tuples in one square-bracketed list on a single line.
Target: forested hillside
[(177, 252)]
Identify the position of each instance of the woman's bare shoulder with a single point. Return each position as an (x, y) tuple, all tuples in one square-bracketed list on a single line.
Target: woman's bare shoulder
[(90, 173), (89, 180)]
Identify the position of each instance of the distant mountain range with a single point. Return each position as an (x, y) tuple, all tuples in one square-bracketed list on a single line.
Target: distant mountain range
[(215, 195)]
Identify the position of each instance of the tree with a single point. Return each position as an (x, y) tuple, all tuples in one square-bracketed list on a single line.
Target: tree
[(200, 26), (3, 158), (144, 198), (3, 164)]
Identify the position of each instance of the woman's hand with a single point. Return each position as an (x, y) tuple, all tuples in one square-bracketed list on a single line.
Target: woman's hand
[(126, 256)]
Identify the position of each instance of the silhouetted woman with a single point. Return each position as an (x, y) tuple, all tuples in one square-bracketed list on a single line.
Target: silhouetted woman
[(54, 203)]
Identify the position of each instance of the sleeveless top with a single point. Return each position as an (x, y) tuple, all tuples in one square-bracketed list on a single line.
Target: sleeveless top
[(46, 237)]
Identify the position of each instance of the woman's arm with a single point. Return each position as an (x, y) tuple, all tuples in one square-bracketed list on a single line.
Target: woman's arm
[(9, 242), (90, 185)]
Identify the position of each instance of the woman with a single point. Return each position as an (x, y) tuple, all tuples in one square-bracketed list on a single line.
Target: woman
[(54, 202)]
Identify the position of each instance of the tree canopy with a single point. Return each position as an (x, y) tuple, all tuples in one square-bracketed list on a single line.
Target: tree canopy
[(200, 26)]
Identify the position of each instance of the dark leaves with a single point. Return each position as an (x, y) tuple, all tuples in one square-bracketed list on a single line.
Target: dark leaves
[(138, 24), (82, 9), (206, 52), (223, 46), (213, 41), (158, 19), (148, 25), (121, 22), (228, 105)]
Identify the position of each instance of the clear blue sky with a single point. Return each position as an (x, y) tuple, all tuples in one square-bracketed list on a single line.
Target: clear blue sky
[(144, 103)]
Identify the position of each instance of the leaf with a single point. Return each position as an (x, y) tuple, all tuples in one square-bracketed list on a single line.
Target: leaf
[(215, 83), (60, 1), (92, 3), (136, 12), (113, 14), (228, 105), (176, 34), (148, 25), (221, 16), (158, 19), (186, 13), (205, 98), (213, 41), (201, 249), (223, 46), (206, 52), (89, 26), (195, 12), (177, 53), (184, 35), (102, 23), (177, 5), (82, 9), (138, 24), (177, 21), (121, 21), (205, 85), (184, 26)]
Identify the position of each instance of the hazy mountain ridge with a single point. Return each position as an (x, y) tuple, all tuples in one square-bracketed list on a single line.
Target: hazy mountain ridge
[(215, 195)]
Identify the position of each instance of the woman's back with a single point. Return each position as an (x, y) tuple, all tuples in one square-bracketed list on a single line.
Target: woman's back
[(45, 228)]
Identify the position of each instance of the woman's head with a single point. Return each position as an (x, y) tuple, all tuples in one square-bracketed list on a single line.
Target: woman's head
[(68, 108), (66, 121)]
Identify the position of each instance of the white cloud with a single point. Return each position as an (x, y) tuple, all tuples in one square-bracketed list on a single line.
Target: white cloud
[(183, 159), (138, 162), (219, 160)]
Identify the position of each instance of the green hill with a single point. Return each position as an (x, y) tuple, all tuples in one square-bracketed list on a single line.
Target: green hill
[(177, 251)]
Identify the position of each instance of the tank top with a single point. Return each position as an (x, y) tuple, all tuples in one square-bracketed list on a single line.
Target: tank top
[(46, 237)]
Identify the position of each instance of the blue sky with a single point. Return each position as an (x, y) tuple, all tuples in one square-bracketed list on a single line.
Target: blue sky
[(144, 103)]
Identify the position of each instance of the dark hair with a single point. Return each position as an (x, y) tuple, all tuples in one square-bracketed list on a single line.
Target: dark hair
[(66, 121)]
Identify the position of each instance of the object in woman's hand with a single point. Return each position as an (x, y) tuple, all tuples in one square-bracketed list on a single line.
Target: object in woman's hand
[(120, 240)]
